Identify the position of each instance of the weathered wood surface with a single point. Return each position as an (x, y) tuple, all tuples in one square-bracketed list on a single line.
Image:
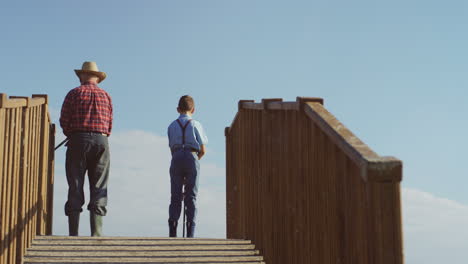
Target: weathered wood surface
[(25, 140), (51, 249), (59, 240), (305, 189)]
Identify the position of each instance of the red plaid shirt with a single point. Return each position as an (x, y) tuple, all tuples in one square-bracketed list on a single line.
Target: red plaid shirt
[(87, 108)]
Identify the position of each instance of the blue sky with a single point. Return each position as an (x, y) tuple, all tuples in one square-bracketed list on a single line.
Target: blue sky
[(394, 72)]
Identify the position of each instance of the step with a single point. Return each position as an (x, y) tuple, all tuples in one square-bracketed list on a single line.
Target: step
[(64, 249)]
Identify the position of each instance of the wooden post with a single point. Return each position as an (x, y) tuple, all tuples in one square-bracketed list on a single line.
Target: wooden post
[(23, 183), (50, 180), (43, 166), (3, 177), (16, 148)]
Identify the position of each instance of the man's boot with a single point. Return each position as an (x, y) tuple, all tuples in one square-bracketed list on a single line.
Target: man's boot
[(96, 224), (190, 229), (73, 223), (172, 228)]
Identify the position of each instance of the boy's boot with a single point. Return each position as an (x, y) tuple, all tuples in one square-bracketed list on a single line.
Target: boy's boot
[(190, 229), (73, 223), (96, 224), (172, 228)]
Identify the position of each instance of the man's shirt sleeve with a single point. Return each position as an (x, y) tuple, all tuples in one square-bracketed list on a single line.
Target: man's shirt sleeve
[(65, 114), (111, 112)]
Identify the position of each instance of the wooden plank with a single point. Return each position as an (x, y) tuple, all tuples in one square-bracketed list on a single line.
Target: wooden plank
[(23, 183), (142, 247), (31, 177), (43, 96), (283, 106), (22, 210), (3, 100), (385, 169), (240, 104), (341, 136), (253, 106), (2, 180), (9, 170), (42, 170), (118, 241), (28, 181), (37, 101), (36, 161), (31, 102), (143, 259), (139, 253), (46, 150), (50, 179), (15, 175), (303, 100), (15, 103), (146, 261)]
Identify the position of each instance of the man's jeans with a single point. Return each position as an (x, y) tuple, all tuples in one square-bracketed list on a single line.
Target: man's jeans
[(87, 151), (185, 168)]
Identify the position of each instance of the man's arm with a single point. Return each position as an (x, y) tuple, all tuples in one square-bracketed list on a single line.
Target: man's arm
[(65, 114), (111, 110), (201, 152)]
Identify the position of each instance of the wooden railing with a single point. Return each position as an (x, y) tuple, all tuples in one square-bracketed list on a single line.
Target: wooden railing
[(304, 189), (26, 173)]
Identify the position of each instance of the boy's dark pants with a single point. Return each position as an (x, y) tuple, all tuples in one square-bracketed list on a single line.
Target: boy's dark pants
[(184, 168), (87, 151)]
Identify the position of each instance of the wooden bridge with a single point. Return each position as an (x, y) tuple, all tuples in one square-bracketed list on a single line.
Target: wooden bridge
[(300, 188)]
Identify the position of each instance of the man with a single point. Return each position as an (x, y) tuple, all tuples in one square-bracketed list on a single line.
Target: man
[(86, 120)]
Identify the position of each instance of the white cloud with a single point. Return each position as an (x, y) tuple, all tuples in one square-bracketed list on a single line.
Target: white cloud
[(139, 190), (434, 229)]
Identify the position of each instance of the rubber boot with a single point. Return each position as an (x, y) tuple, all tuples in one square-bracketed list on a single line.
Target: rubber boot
[(73, 223), (190, 229), (96, 224), (172, 228)]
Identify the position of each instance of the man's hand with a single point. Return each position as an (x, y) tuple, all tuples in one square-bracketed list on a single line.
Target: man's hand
[(201, 152)]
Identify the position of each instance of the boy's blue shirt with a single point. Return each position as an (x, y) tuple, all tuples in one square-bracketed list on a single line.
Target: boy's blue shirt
[(194, 134)]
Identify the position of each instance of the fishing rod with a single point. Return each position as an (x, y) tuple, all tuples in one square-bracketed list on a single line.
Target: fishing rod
[(185, 210), (61, 143)]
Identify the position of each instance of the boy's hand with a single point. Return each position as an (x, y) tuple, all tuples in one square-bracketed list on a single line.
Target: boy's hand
[(201, 152)]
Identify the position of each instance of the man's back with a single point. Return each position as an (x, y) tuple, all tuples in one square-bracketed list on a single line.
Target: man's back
[(87, 108)]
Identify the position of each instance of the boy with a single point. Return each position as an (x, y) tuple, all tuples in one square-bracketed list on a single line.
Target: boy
[(187, 142)]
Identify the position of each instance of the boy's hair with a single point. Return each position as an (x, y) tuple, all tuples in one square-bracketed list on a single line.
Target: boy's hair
[(186, 103)]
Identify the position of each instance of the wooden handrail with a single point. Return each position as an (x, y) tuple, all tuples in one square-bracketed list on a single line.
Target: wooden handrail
[(356, 150), (26, 173), (305, 189)]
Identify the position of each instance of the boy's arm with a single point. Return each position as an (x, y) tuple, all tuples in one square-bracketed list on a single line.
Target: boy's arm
[(201, 152)]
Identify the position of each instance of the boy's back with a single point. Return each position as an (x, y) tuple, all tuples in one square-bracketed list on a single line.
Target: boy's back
[(187, 142), (194, 133)]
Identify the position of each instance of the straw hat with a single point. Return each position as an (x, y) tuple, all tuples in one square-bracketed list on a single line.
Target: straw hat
[(91, 67)]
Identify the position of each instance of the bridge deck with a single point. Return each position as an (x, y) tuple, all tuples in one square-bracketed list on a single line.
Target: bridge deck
[(62, 249)]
